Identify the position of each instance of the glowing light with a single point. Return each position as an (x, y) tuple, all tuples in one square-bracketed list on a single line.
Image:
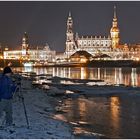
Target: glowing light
[(114, 104), (83, 60), (6, 49), (28, 64), (9, 64), (137, 59)]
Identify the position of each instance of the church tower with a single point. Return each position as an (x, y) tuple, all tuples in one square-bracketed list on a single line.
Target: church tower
[(115, 31), (25, 44), (70, 43)]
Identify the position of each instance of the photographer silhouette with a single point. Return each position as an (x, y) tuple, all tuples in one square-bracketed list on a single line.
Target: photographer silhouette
[(7, 87)]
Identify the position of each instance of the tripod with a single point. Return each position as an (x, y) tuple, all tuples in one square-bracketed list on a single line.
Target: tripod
[(20, 95)]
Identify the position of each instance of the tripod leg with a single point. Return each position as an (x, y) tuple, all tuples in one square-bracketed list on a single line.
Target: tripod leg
[(2, 117), (25, 112), (24, 107)]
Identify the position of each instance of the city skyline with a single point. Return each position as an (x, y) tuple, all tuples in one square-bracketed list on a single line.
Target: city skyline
[(45, 22)]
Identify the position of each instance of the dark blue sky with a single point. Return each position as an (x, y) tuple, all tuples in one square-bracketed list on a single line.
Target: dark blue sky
[(46, 21)]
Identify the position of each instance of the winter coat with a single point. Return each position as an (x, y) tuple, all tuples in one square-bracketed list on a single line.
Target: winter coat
[(7, 87)]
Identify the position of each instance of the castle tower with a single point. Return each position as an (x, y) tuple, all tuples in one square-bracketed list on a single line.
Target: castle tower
[(70, 43), (115, 31), (25, 44)]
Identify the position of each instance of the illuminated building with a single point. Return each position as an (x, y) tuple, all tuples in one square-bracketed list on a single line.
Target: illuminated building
[(115, 31), (25, 45), (94, 45), (13, 54), (42, 53), (80, 56), (131, 51), (91, 44), (70, 41), (39, 53)]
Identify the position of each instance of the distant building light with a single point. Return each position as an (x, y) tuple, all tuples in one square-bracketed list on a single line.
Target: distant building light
[(137, 59), (6, 49)]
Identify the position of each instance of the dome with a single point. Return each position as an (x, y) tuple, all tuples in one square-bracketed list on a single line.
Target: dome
[(81, 53)]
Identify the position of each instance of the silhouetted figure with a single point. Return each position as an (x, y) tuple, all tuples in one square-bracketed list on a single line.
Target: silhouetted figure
[(7, 87)]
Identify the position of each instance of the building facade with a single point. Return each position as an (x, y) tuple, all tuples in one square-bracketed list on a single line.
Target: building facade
[(25, 45), (114, 32), (39, 53), (91, 44), (131, 51), (42, 53)]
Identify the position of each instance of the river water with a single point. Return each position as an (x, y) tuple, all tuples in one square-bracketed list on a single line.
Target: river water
[(112, 117), (126, 76)]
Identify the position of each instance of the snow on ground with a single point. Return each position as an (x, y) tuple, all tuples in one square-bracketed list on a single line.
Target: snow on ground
[(43, 122), (96, 90), (40, 115)]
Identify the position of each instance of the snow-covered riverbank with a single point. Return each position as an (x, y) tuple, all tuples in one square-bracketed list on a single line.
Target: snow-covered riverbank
[(44, 111), (42, 120)]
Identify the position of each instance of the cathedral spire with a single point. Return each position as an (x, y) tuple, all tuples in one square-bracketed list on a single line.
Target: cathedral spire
[(70, 40), (69, 23), (25, 44), (115, 24), (115, 12), (115, 31), (25, 39), (69, 14)]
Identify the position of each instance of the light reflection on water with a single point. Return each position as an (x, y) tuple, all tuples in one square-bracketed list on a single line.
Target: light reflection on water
[(113, 117), (114, 111), (126, 76)]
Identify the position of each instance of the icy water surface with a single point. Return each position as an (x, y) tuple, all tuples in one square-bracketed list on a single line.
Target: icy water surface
[(113, 117)]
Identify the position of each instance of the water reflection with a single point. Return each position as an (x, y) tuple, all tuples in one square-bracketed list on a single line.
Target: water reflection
[(114, 117), (126, 76), (84, 73), (114, 112), (28, 69), (134, 77)]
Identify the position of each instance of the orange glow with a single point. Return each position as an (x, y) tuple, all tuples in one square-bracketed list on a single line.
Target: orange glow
[(9, 64), (6, 49), (114, 111), (137, 59), (83, 60), (1, 57)]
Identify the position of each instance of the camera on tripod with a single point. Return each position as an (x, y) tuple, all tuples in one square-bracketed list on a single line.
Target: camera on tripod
[(17, 79)]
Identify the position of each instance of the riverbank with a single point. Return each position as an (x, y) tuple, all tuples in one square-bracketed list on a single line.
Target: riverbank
[(99, 111), (43, 122), (93, 63), (113, 63), (51, 112)]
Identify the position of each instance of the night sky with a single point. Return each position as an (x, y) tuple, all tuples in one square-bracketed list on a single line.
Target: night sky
[(45, 22)]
